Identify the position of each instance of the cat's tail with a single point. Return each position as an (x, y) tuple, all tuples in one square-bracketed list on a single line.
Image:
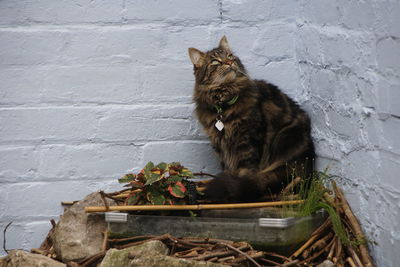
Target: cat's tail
[(229, 188), (254, 186)]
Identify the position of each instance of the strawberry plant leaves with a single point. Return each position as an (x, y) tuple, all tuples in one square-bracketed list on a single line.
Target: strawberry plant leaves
[(169, 201), (136, 184), (156, 171), (176, 166), (177, 190), (127, 178), (156, 198), (186, 173), (162, 165), (153, 177), (173, 179), (161, 184), (140, 177), (133, 198), (147, 169)]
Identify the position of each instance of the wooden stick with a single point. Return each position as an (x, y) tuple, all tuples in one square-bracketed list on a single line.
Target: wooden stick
[(351, 262), (213, 259), (272, 254), (161, 237), (355, 256), (303, 247), (319, 244), (265, 260), (366, 258), (125, 193), (287, 264), (241, 258), (89, 261), (322, 227), (323, 242), (190, 244), (331, 200), (217, 254), (193, 207), (241, 252), (132, 238), (191, 254), (226, 259), (314, 236), (104, 246), (332, 250), (39, 251), (316, 255), (338, 251)]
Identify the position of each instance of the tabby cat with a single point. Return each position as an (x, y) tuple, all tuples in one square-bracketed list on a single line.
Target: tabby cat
[(260, 135)]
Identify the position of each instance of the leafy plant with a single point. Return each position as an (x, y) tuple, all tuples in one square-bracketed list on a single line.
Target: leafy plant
[(161, 184)]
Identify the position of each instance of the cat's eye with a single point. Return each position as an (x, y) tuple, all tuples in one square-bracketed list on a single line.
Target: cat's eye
[(230, 57), (215, 62)]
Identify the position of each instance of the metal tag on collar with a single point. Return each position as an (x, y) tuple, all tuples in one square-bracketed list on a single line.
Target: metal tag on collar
[(219, 125)]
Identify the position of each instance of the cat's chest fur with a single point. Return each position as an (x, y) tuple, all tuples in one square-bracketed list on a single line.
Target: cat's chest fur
[(239, 120)]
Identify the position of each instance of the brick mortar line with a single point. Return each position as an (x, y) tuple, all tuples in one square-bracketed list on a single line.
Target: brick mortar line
[(29, 219), (158, 25), (100, 106), (144, 24), (58, 179), (334, 29), (135, 143)]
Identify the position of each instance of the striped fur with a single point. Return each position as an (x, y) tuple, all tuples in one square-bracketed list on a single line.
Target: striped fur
[(266, 135)]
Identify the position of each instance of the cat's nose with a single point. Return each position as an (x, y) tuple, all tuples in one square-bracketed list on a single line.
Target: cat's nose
[(229, 62)]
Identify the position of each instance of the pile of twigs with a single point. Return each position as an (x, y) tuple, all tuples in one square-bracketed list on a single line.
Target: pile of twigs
[(202, 249), (324, 244)]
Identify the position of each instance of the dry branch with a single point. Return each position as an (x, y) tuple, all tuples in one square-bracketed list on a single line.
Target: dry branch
[(241, 252)]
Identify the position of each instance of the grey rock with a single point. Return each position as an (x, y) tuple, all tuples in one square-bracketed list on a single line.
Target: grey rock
[(3, 262), (326, 263), (168, 261), (78, 235), (119, 258), (20, 258)]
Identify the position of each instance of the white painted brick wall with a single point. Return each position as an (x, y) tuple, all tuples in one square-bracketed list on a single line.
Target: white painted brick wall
[(90, 90), (349, 58)]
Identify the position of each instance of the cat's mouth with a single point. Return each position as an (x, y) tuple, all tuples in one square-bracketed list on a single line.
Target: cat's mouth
[(228, 76)]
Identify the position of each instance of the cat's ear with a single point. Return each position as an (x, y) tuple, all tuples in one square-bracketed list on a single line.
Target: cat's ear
[(196, 56), (223, 43)]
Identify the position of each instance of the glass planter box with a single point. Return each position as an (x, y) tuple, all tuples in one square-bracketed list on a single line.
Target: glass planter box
[(263, 228)]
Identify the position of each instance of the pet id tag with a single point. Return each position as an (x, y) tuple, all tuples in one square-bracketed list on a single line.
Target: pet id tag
[(219, 125)]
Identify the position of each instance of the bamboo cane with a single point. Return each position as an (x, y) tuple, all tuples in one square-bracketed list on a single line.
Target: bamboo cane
[(193, 207), (366, 258)]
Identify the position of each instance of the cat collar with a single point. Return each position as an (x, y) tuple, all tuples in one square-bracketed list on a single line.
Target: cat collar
[(219, 124)]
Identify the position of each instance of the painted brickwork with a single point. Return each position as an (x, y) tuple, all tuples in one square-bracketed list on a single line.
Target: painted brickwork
[(92, 89)]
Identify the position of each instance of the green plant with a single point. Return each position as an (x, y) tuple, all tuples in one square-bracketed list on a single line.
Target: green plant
[(312, 191), (161, 184)]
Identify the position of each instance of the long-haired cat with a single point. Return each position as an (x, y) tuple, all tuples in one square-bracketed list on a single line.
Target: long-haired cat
[(259, 134)]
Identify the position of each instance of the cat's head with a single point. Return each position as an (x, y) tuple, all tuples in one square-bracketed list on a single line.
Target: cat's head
[(216, 67)]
